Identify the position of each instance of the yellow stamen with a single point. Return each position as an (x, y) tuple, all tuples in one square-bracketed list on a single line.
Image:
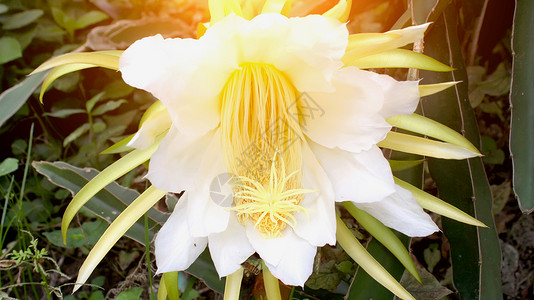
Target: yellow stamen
[(261, 136)]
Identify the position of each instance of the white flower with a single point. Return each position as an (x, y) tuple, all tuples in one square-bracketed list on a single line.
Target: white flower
[(269, 101)]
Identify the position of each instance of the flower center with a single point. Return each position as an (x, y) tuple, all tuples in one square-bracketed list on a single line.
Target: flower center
[(261, 136)]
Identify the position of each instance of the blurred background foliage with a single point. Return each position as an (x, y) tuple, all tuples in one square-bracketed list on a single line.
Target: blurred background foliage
[(50, 150)]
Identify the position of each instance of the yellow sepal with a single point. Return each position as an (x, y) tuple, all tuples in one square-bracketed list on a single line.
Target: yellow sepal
[(108, 175), (340, 11), (431, 89), (277, 6), (437, 205), (385, 236), (360, 255), (171, 285), (221, 8), (232, 286), (425, 126), (116, 230), (397, 58), (421, 146), (105, 59)]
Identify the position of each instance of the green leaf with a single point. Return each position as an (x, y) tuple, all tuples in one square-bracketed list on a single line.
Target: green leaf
[(9, 165), (3, 8), (130, 294), (430, 289), (89, 19), (63, 113), (22, 19), (204, 269), (522, 93), (86, 235), (432, 256), (475, 252), (24, 37), (106, 204), (12, 99), (9, 49), (83, 129), (108, 106), (90, 104)]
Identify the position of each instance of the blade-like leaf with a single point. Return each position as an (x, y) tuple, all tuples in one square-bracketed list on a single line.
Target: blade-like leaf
[(522, 106), (13, 98), (475, 252)]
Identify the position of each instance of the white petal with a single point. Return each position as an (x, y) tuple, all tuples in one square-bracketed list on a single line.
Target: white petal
[(400, 97), (230, 248), (318, 226), (314, 48), (308, 50), (150, 130), (173, 167), (401, 212), (175, 248), (350, 117), (296, 264), (358, 177), (209, 200), (186, 75)]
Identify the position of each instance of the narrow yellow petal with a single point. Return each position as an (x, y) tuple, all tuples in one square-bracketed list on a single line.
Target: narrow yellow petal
[(437, 205), (340, 11), (431, 89), (425, 126), (276, 6), (221, 8), (151, 112), (58, 72), (120, 146), (360, 255), (171, 285), (363, 44), (272, 287), (233, 285), (105, 59), (397, 58), (385, 236), (401, 165), (108, 175), (116, 230), (162, 291), (417, 145)]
